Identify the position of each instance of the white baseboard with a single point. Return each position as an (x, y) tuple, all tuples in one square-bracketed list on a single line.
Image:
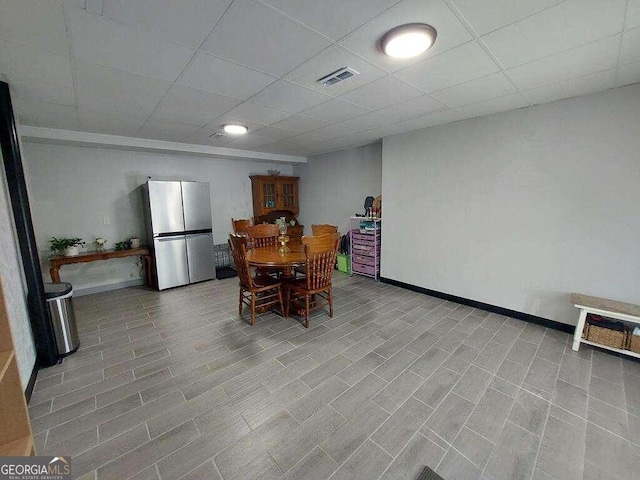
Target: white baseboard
[(105, 288)]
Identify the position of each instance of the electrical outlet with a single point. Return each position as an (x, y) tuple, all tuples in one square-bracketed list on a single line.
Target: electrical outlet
[(106, 221)]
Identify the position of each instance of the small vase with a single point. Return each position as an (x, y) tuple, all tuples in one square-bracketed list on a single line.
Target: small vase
[(72, 251)]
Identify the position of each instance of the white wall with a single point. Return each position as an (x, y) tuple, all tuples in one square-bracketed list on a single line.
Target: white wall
[(521, 208), (73, 188), (333, 186), (13, 284)]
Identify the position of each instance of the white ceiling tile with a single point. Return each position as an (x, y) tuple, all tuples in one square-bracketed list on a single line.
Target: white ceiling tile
[(485, 88), (329, 61), (37, 23), (333, 18), (594, 57), (187, 22), (630, 52), (99, 121), (42, 114), (194, 99), (106, 42), (257, 113), (96, 100), (249, 142), (274, 133), (396, 128), (186, 115), (301, 123), (495, 105), (572, 88), (335, 110), (302, 140), (633, 14), (226, 78), (307, 151), (365, 40), (564, 26), (283, 44), (367, 121), (167, 131), (204, 137), (288, 96), (411, 108), (487, 16), (432, 119), (335, 131), (98, 79), (456, 66), (19, 62), (39, 91), (628, 74), (382, 93)]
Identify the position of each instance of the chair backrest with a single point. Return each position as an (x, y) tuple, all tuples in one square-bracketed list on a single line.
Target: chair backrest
[(264, 235), (240, 226), (323, 229), (320, 253), (238, 246)]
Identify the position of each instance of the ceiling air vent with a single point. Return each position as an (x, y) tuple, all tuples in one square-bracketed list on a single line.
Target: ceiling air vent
[(338, 76), (218, 135)]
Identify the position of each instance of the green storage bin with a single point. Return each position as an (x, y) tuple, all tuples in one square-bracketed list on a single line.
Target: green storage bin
[(344, 263)]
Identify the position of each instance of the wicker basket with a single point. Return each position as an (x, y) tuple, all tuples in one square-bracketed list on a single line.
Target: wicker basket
[(634, 343), (605, 336)]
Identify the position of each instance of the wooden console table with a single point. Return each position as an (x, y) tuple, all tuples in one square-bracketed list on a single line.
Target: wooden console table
[(609, 308), (57, 262)]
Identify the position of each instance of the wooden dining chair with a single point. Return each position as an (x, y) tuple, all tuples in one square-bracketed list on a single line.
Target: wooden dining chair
[(240, 226), (315, 290), (261, 292), (323, 229), (265, 235)]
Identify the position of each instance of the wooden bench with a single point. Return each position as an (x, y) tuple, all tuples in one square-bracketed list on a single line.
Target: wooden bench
[(609, 308)]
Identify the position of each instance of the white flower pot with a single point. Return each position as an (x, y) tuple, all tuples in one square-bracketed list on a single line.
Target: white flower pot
[(72, 251)]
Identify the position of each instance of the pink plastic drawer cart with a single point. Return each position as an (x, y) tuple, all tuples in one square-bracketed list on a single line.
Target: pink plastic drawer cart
[(365, 246)]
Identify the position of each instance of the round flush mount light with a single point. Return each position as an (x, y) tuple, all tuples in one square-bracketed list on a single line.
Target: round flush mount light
[(408, 40), (235, 129)]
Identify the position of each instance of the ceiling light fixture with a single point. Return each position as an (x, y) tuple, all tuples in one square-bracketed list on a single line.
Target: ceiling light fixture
[(408, 40), (235, 129)]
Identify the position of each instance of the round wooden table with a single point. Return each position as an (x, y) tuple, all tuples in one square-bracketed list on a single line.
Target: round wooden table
[(271, 257)]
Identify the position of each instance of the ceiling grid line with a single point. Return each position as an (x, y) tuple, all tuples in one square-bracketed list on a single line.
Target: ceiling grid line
[(624, 22), (185, 68)]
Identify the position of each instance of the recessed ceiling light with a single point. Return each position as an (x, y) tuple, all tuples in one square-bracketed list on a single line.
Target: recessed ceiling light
[(408, 40), (235, 129)]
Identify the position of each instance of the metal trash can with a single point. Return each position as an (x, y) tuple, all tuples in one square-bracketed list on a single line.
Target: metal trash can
[(60, 303)]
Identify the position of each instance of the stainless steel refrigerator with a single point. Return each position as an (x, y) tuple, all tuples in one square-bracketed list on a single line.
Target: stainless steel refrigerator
[(179, 229)]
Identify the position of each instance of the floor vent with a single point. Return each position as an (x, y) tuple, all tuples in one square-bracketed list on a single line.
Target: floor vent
[(338, 76)]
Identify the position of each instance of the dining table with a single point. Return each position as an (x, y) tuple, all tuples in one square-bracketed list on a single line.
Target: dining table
[(272, 257)]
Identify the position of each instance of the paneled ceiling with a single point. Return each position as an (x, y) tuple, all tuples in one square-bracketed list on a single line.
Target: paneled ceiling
[(178, 70)]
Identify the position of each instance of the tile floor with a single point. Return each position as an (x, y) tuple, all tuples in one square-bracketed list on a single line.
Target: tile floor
[(173, 385)]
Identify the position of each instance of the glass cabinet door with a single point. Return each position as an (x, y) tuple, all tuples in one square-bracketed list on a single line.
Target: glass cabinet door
[(269, 195), (289, 197)]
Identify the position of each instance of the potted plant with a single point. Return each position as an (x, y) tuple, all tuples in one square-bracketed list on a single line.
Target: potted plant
[(65, 246)]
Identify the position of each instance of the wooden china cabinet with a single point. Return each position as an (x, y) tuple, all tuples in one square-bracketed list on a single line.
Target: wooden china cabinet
[(275, 196), (274, 192)]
